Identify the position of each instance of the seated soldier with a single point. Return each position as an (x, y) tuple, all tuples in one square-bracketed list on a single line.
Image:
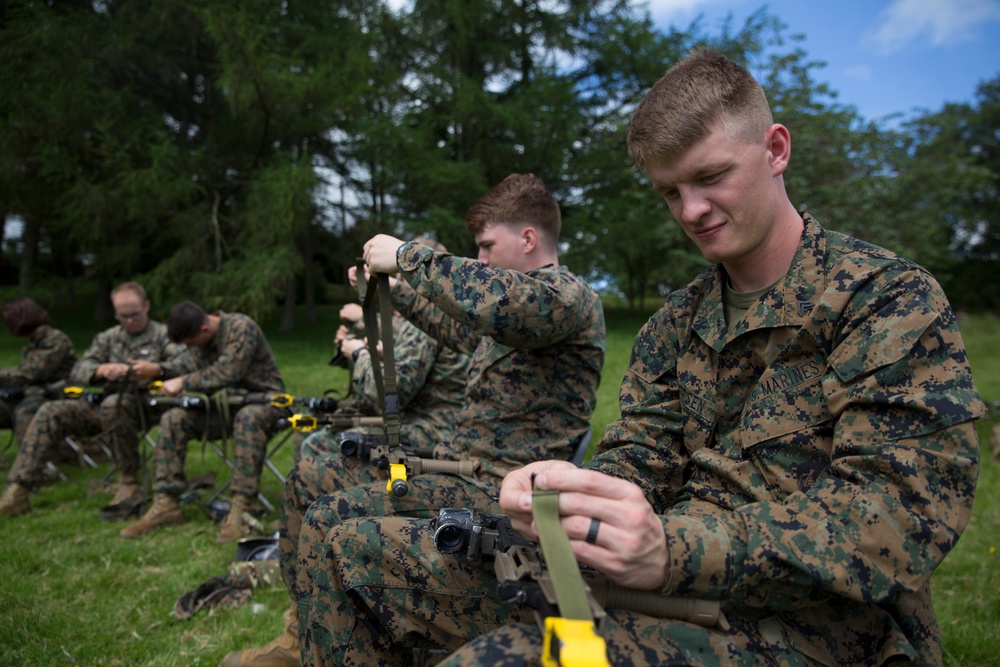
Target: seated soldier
[(430, 379), (122, 359), (46, 358), (797, 441), (536, 333), (230, 352)]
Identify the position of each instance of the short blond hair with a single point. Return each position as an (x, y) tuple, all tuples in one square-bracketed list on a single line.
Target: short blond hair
[(696, 93), (130, 286)]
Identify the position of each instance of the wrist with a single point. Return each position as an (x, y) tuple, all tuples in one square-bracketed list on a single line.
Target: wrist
[(357, 353)]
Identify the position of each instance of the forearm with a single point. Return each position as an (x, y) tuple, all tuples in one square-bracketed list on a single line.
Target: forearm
[(872, 528), (513, 308), (430, 319)]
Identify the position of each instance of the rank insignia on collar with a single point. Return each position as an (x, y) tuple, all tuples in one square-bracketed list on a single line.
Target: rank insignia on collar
[(804, 307)]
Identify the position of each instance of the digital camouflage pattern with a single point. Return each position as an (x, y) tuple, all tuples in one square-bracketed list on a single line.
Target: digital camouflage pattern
[(121, 414), (45, 360), (237, 358), (51, 423), (812, 465), (117, 345), (430, 383), (537, 345), (124, 411)]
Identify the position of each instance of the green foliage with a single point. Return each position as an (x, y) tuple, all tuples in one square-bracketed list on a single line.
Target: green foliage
[(73, 592), (186, 143)]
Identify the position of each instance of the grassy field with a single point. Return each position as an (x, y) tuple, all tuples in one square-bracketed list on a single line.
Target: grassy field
[(73, 593)]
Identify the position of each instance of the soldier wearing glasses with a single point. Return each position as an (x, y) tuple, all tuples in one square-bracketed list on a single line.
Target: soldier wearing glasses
[(122, 359)]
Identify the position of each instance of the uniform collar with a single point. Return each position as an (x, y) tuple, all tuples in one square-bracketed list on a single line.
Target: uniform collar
[(788, 303)]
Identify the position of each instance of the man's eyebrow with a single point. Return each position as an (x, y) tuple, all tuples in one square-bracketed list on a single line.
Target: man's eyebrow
[(701, 172)]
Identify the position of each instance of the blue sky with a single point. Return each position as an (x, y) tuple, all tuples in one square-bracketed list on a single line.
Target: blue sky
[(883, 56)]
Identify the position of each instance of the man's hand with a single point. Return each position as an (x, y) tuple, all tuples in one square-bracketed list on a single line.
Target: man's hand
[(112, 371), (173, 386), (144, 370), (352, 312), (349, 346), (352, 276), (343, 333), (630, 549), (380, 254)]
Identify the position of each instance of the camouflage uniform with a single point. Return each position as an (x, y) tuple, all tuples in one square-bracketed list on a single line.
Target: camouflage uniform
[(812, 464), (44, 360), (121, 413), (430, 387), (237, 358), (537, 341), (430, 383)]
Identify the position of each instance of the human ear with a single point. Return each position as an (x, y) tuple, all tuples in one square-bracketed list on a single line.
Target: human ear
[(529, 238), (779, 148)]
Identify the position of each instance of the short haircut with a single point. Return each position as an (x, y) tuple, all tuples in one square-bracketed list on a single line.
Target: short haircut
[(519, 200), (681, 108), (436, 246), (131, 286), (23, 315), (185, 321)]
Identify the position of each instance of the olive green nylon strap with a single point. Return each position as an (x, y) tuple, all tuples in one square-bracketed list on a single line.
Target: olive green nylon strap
[(377, 287), (564, 571)]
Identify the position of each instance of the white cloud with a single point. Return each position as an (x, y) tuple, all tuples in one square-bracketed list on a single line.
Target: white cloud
[(942, 22), (666, 11), (859, 73)]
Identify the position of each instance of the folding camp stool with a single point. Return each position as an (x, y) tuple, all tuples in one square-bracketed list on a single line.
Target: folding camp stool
[(279, 440), (82, 455)]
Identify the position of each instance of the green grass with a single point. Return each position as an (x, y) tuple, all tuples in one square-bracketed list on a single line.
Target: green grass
[(73, 593)]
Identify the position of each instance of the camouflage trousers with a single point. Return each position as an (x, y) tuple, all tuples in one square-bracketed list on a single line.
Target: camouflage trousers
[(319, 444), (252, 427), (390, 590), (121, 415), (636, 640), (313, 581), (16, 415)]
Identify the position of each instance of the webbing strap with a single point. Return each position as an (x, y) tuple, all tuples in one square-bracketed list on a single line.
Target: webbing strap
[(563, 568), (391, 400), (385, 382), (371, 322)]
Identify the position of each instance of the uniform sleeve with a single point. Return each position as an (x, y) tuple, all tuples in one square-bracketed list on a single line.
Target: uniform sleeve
[(432, 320), (515, 309), (40, 363), (237, 348), (98, 353), (176, 360), (645, 445), (897, 493), (415, 353)]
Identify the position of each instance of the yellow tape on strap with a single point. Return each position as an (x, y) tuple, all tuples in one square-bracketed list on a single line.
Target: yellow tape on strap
[(572, 643)]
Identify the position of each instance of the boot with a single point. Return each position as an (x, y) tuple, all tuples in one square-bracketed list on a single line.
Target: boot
[(232, 525), (281, 652), (15, 500), (165, 510), (128, 487)]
